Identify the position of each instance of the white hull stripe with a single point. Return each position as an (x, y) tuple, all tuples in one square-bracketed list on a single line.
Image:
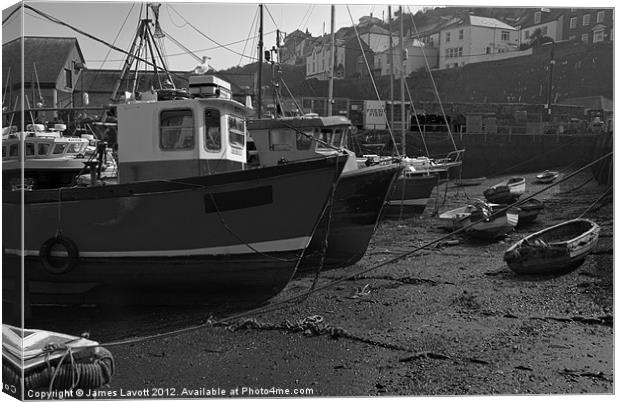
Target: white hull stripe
[(297, 243), (419, 201)]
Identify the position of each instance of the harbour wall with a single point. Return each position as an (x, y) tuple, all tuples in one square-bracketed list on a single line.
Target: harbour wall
[(496, 154)]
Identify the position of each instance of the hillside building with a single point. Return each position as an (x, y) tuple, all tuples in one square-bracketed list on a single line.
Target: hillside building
[(474, 39), (52, 67)]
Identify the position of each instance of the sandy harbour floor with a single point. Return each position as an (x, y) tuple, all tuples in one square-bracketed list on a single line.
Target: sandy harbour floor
[(449, 320)]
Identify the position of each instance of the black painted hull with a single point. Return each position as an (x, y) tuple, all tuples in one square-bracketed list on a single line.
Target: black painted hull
[(225, 236), (409, 196), (360, 198)]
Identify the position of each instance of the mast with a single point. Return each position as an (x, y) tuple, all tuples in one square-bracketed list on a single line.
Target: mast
[(260, 64), (332, 61), (391, 56), (402, 84)]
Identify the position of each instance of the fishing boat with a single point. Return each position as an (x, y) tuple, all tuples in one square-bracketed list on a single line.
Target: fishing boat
[(506, 192), (410, 194), (491, 222), (557, 249), (186, 222), (529, 211), (51, 159), (475, 181), (548, 176), (360, 194)]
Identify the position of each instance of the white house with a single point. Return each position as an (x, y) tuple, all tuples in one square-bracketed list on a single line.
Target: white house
[(475, 39), (317, 63), (417, 56)]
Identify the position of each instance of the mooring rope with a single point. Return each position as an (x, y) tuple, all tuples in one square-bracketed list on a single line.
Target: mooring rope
[(282, 303)]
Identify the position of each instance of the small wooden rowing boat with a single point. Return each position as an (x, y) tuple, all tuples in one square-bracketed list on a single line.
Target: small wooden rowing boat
[(530, 210), (556, 249), (547, 176), (476, 181), (506, 192), (490, 223)]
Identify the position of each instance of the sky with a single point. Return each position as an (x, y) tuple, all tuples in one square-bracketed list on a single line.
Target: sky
[(200, 27)]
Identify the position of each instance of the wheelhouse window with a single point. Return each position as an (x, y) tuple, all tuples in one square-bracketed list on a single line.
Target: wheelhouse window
[(281, 139), (4, 152), (59, 149), (176, 130), (29, 149), (236, 131), (13, 150), (333, 137), (74, 148), (43, 149), (213, 134), (304, 142)]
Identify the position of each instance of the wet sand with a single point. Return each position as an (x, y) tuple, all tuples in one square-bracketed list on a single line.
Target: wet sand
[(451, 320)]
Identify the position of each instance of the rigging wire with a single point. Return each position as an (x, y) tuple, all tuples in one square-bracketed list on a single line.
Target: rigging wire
[(110, 49), (387, 123), (271, 16), (207, 37), (80, 31), (278, 305), (428, 68), (249, 34)]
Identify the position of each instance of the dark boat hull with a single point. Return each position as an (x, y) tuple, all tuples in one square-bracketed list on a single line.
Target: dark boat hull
[(359, 199), (409, 196), (237, 235)]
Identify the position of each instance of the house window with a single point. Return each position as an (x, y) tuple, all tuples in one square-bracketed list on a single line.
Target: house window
[(572, 37), (584, 38), (598, 36), (505, 35), (488, 50), (544, 30), (600, 16), (68, 80), (537, 15), (527, 34), (460, 52), (176, 130), (461, 34), (573, 22), (586, 20), (447, 36)]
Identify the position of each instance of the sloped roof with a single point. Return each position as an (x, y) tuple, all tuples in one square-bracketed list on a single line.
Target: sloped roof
[(545, 16), (49, 54), (487, 22), (591, 102)]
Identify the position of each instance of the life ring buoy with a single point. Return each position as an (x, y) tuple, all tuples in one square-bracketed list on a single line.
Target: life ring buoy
[(67, 263)]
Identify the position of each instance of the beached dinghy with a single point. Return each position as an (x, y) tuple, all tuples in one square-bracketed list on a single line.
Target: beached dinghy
[(52, 364), (556, 249), (506, 192), (491, 225), (548, 176), (529, 210)]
